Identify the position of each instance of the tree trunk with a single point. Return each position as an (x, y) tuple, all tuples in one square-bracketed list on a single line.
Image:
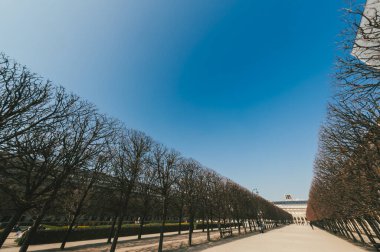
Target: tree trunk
[(344, 229), (77, 212), (220, 226), (208, 230), (341, 228), (180, 220), (162, 229), (12, 222), (141, 227), (349, 230), (367, 233), (112, 229), (353, 223), (32, 231), (337, 228), (373, 226), (369, 230), (123, 209), (191, 227), (118, 228)]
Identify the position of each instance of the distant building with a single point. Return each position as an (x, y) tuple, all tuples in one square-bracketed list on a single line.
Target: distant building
[(297, 208), (367, 42)]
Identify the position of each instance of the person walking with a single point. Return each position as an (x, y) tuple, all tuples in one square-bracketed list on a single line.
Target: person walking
[(18, 230)]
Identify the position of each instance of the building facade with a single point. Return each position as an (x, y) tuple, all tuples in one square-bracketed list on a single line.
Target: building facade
[(297, 208), (367, 42)]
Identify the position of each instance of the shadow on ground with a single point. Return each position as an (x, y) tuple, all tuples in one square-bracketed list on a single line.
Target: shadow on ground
[(218, 242), (358, 244)]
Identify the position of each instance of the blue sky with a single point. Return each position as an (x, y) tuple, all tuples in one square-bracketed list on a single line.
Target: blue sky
[(241, 86)]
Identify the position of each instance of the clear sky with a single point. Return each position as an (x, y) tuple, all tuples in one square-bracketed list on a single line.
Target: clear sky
[(241, 86)]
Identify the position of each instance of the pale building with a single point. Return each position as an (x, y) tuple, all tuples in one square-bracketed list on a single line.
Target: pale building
[(367, 43), (297, 208)]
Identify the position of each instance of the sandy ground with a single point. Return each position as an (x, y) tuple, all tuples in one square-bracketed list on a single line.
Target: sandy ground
[(9, 243), (292, 238), (172, 241)]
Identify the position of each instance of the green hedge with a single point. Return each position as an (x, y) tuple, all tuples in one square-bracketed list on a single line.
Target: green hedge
[(102, 232), (54, 236), (212, 225)]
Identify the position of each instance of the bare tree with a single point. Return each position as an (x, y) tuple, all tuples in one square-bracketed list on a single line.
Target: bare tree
[(91, 173), (190, 176), (178, 201), (55, 145), (129, 156), (78, 142), (26, 157), (165, 162), (27, 100), (344, 195), (206, 189), (146, 192)]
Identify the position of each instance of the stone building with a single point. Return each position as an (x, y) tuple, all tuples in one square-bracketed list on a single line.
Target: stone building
[(296, 207)]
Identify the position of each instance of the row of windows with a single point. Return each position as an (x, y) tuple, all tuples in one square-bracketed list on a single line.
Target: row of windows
[(291, 202)]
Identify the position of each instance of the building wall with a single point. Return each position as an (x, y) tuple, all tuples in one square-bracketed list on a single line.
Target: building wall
[(297, 208), (367, 41)]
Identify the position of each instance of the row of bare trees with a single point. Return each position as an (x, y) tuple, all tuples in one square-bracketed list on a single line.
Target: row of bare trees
[(345, 192), (58, 154)]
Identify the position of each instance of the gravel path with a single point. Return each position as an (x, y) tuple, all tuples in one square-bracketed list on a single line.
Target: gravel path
[(292, 238)]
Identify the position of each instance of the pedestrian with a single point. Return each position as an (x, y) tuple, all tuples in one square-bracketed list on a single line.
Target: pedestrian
[(18, 230), (261, 228)]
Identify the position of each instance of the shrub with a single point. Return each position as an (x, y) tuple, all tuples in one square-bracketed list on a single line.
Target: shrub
[(56, 235), (211, 225)]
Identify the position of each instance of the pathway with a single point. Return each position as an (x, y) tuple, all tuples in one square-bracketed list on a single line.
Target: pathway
[(291, 238), (148, 242)]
